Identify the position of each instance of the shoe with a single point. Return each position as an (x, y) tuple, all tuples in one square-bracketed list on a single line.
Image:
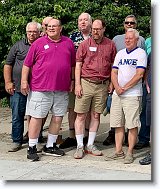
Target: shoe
[(92, 149), (141, 145), (15, 147), (109, 140), (128, 159), (115, 156), (53, 151), (32, 153), (25, 138), (146, 160), (85, 140), (68, 142), (79, 153)]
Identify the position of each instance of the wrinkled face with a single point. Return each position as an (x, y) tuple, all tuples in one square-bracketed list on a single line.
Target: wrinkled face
[(130, 23), (54, 29), (32, 33), (84, 24), (97, 30), (130, 41)]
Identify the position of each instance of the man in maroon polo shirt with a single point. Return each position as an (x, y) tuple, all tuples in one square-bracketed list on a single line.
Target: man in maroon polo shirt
[(94, 60)]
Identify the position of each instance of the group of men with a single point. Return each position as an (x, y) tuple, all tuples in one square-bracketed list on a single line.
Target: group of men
[(50, 72)]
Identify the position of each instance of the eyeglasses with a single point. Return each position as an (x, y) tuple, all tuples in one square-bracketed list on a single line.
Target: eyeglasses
[(97, 29), (132, 23), (34, 32), (53, 26)]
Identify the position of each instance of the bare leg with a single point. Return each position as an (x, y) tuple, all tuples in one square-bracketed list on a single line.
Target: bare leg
[(119, 137), (132, 139)]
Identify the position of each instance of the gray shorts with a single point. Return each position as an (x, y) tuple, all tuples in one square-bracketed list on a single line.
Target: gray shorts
[(40, 103)]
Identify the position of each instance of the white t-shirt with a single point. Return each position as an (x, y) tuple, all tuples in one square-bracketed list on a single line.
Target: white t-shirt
[(127, 63)]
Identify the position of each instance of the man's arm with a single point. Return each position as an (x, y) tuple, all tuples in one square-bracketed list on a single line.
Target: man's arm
[(7, 72), (24, 80), (139, 75), (78, 87), (114, 79)]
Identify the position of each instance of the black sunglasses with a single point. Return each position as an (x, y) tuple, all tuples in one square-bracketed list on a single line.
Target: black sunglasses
[(132, 23)]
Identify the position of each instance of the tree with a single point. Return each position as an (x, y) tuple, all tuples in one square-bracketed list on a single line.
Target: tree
[(15, 14)]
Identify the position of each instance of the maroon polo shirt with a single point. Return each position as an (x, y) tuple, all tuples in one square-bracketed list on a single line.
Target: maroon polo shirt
[(97, 59)]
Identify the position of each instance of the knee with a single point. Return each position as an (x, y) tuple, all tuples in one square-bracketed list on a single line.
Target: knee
[(81, 117), (96, 115)]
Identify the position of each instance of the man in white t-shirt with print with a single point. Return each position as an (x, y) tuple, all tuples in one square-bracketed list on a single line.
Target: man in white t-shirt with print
[(127, 73)]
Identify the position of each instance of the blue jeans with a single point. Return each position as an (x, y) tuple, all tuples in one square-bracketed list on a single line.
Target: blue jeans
[(144, 133), (18, 106)]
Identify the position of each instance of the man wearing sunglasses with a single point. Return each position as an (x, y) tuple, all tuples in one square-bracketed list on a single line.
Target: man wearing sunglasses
[(119, 40)]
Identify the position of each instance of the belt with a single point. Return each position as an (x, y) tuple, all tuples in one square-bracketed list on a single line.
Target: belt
[(96, 82)]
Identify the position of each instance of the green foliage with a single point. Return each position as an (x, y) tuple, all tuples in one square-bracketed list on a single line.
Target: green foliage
[(15, 14), (4, 102)]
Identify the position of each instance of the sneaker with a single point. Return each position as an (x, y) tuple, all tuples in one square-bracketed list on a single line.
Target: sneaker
[(115, 156), (79, 153), (15, 147), (128, 159), (141, 145), (68, 142), (53, 151), (92, 149), (109, 140), (146, 160), (32, 153)]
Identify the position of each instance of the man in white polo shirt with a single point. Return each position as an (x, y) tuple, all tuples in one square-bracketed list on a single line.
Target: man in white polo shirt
[(127, 73)]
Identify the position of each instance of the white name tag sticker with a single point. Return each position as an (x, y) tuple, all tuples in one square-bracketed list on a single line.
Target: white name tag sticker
[(46, 46), (93, 49)]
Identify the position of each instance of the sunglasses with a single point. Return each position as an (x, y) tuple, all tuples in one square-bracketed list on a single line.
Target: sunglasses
[(132, 23)]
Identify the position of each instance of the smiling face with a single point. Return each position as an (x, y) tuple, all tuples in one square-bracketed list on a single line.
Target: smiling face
[(131, 40), (54, 29)]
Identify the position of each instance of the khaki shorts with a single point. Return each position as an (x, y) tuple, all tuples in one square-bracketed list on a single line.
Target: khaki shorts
[(71, 103), (39, 103), (94, 97), (125, 111)]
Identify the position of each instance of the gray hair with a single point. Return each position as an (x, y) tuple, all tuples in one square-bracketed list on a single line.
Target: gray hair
[(131, 16), (136, 33), (89, 16), (38, 25)]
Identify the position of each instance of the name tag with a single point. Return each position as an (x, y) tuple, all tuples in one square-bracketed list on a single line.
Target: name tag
[(46, 46), (93, 49)]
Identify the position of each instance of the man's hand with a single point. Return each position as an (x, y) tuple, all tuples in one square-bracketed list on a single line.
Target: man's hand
[(78, 91), (24, 88), (9, 86)]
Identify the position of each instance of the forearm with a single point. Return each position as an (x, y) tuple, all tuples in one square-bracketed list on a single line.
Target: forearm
[(7, 74), (78, 74), (133, 81), (25, 74)]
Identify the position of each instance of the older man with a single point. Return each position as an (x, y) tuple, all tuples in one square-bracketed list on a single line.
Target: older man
[(119, 40), (12, 77), (84, 26), (50, 58), (94, 60), (127, 73)]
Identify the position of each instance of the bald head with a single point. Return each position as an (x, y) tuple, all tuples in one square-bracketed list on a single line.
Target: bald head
[(46, 20)]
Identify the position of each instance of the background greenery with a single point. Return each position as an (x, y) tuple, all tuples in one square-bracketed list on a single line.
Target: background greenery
[(15, 14)]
